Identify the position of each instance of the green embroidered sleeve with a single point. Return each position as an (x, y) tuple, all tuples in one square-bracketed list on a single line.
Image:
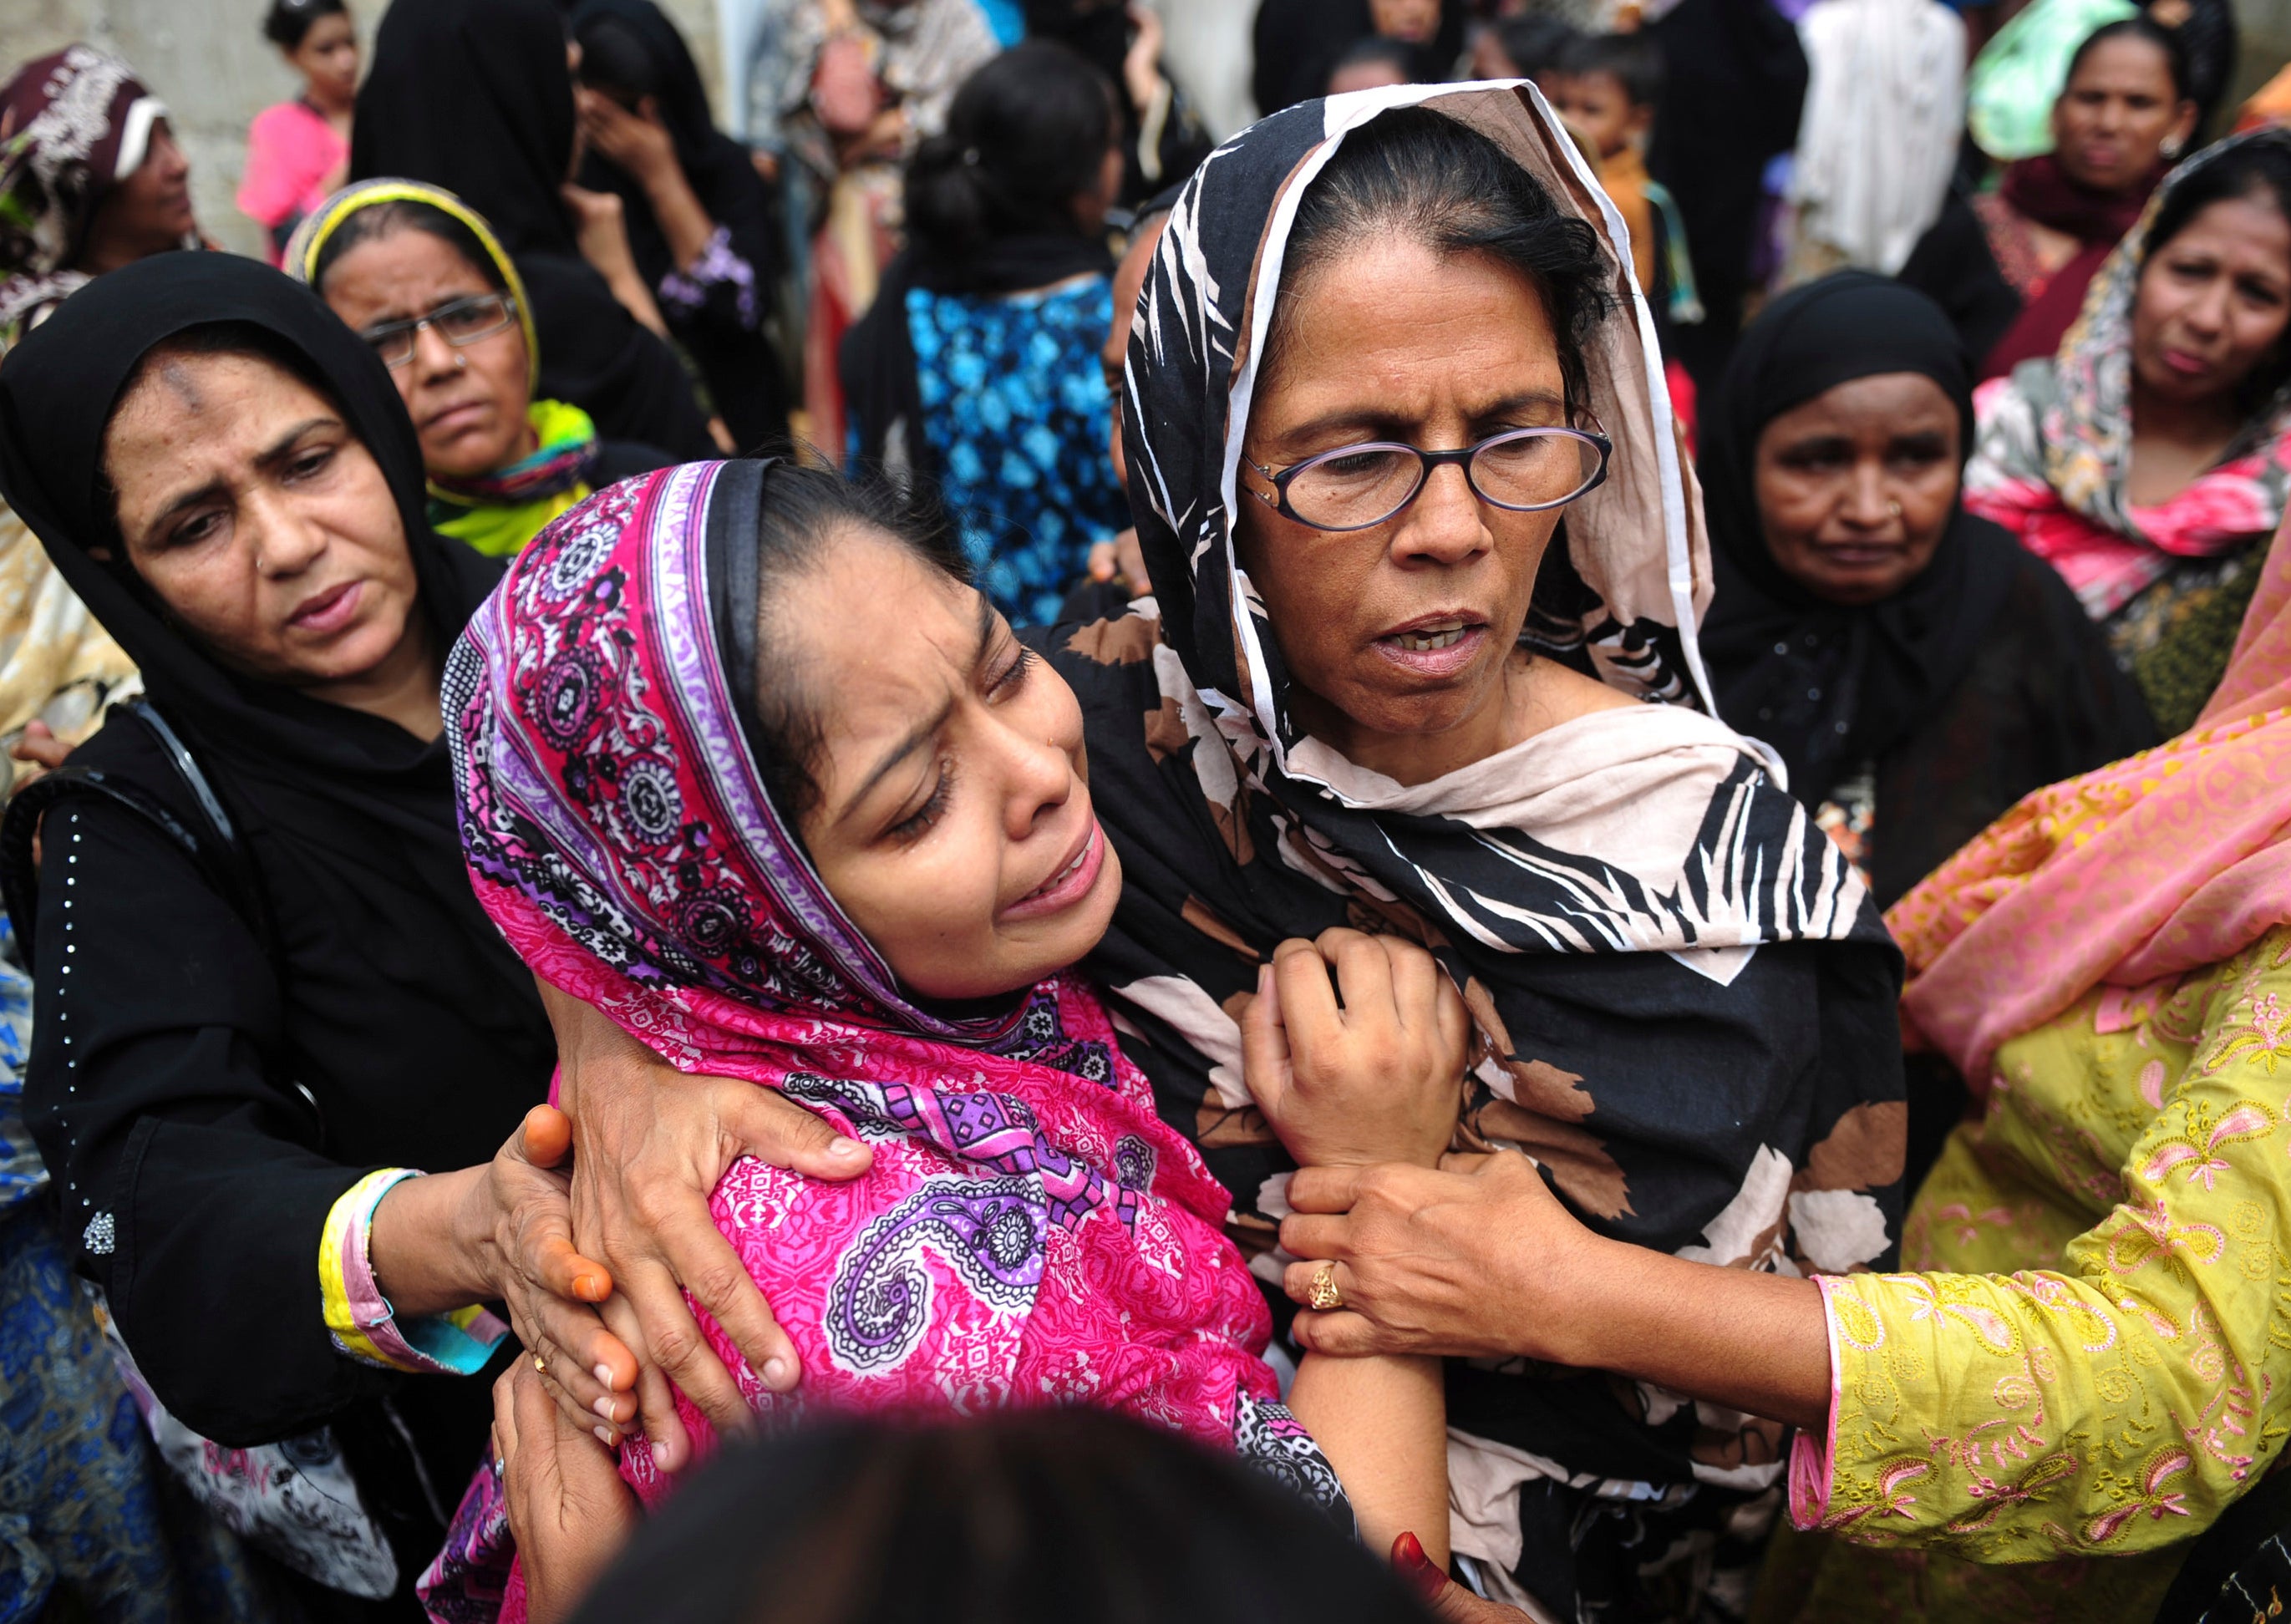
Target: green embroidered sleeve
[(2120, 1400)]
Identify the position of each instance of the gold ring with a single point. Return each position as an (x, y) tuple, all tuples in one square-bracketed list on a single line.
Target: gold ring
[(1324, 1296), (540, 1364)]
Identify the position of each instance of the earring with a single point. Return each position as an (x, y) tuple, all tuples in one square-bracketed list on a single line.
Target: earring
[(2173, 146)]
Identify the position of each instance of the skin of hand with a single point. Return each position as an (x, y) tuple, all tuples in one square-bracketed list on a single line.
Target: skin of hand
[(1121, 560), (1141, 65), (1478, 1257), (654, 1141), (1378, 1078), (503, 1232), (1447, 1599), (40, 747), (602, 231), (640, 145), (568, 1506)]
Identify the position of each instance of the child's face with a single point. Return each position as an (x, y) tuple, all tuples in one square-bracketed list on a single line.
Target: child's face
[(1597, 104), (954, 822), (1413, 21)]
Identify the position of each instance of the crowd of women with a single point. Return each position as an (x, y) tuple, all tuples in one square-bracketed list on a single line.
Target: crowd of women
[(969, 759)]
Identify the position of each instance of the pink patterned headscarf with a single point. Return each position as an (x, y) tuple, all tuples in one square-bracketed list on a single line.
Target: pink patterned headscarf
[(2170, 860), (1031, 1232)]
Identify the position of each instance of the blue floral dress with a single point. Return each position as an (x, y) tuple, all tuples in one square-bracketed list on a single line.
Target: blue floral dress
[(1017, 410), (91, 1526)]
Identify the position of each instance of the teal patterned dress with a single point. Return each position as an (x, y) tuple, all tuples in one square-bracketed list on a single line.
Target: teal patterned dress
[(1016, 412)]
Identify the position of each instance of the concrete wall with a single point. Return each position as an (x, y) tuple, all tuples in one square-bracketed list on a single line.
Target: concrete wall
[(208, 61)]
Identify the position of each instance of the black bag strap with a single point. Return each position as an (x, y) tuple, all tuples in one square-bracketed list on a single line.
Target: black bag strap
[(211, 841)]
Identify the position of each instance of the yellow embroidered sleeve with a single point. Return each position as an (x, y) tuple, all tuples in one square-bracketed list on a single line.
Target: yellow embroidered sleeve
[(2120, 1402)]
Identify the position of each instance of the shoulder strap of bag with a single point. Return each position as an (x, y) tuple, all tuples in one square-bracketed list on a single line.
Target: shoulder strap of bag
[(211, 840)]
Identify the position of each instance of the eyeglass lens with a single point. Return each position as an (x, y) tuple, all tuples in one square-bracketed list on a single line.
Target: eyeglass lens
[(464, 321), (1365, 484)]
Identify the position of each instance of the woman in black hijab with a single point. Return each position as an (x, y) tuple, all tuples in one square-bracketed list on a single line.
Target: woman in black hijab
[(264, 989), (701, 222), (1915, 670), (476, 96)]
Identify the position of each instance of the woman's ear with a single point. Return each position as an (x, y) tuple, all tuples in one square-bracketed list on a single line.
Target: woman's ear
[(2184, 129)]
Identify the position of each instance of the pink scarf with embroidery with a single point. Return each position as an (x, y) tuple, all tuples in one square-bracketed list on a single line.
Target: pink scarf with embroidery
[(1031, 1232)]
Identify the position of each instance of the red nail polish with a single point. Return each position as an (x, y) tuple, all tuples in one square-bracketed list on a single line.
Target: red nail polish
[(1408, 1560)]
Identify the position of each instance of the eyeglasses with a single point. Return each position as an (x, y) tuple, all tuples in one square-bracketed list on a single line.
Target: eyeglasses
[(460, 322), (1358, 487)]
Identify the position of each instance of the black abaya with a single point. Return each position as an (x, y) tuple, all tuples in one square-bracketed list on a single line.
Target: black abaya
[(202, 1095)]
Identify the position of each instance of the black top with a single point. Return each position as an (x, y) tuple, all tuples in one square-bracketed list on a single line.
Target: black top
[(1959, 728), (475, 96), (1734, 81), (1952, 265), (202, 1103), (724, 334)]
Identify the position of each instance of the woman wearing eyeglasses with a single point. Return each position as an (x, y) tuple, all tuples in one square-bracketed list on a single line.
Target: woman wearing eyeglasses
[(1421, 660), (418, 275)]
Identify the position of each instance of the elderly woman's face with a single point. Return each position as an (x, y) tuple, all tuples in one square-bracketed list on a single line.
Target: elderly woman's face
[(468, 403), (259, 520), (1407, 628), (2213, 302), (1855, 485)]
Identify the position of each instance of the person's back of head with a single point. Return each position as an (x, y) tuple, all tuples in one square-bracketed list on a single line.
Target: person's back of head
[(1032, 148), (1018, 1517), (1527, 46), (1370, 63), (1610, 84)]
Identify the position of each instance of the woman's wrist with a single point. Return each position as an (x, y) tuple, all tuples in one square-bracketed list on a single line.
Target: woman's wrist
[(431, 1244)]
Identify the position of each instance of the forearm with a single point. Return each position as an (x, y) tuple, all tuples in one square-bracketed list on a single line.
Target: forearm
[(1383, 1424), (683, 221), (1752, 1341), (425, 1257)]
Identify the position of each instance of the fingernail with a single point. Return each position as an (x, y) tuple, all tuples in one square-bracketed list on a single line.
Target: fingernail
[(588, 1287), (846, 1150), (604, 1375), (604, 1406), (608, 1438), (1414, 1566), (776, 1371)]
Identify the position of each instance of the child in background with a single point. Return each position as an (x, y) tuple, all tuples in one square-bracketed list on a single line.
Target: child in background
[(1606, 87)]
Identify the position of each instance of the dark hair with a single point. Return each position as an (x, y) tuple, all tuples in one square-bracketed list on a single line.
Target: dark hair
[(381, 220), (1018, 1517), (2143, 26), (2259, 169), (614, 60), (1634, 58), (805, 513), (288, 22), (1403, 57), (1415, 174), (1026, 133), (1534, 42)]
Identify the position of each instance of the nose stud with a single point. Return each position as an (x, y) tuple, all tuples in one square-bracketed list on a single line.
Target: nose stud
[(1893, 508)]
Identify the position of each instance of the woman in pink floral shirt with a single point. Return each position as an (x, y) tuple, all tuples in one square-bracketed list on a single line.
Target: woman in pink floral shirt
[(2150, 459)]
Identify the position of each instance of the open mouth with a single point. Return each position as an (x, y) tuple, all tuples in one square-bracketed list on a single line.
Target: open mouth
[(1069, 884), (1436, 645)]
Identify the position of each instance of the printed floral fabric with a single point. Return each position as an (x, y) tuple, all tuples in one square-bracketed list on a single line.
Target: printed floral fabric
[(2053, 455), (2096, 1359), (1029, 1232), (91, 1527), (1015, 408)]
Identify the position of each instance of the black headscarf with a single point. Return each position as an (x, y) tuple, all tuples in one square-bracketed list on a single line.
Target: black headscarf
[(357, 805), (716, 166), (475, 96), (1832, 687)]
